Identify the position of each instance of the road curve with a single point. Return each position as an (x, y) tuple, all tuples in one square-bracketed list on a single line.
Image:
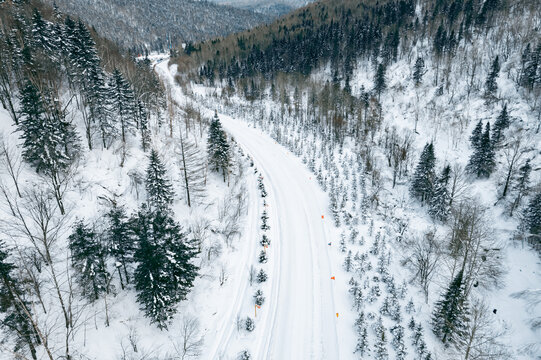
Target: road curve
[(298, 319)]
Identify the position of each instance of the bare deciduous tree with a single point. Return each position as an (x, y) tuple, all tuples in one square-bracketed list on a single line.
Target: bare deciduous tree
[(425, 257), (473, 248), (189, 342), (481, 340), (11, 160)]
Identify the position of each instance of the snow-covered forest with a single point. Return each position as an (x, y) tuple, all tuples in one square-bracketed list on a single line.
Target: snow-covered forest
[(356, 180)]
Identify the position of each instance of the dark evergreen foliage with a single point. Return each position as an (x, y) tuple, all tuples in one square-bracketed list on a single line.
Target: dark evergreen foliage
[(15, 309), (88, 256), (482, 162), (450, 316), (418, 71), (120, 241), (439, 203), (502, 123), (490, 84), (164, 273), (380, 83), (422, 185), (218, 147), (531, 222), (159, 189)]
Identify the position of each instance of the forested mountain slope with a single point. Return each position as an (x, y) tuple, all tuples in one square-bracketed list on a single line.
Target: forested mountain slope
[(422, 121), (272, 8), (158, 25), (110, 210)]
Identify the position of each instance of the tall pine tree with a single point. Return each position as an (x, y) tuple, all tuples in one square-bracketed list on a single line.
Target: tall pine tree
[(88, 258), (16, 321), (120, 241), (439, 204), (159, 189), (531, 222), (218, 147), (164, 273), (482, 162), (490, 84), (502, 123), (450, 316), (422, 185)]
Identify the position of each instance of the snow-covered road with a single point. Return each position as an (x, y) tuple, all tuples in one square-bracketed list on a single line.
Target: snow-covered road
[(298, 319)]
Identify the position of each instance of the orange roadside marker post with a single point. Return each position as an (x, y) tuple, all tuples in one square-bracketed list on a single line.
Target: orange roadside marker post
[(259, 307), (336, 314)]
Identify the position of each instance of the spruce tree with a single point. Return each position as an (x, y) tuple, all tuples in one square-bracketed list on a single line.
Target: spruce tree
[(531, 222), (450, 316), (118, 236), (159, 189), (16, 310), (362, 335), (477, 134), (380, 347), (164, 272), (398, 342), (422, 185), (43, 145), (380, 83), (502, 123), (88, 258), (218, 147), (418, 71), (482, 162), (490, 84), (122, 102), (439, 204), (520, 185)]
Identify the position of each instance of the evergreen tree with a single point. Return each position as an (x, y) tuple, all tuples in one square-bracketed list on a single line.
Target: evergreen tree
[(50, 143), (264, 221), (164, 273), (418, 71), (450, 316), (120, 241), (502, 123), (422, 186), (261, 276), (380, 83), (122, 102), (482, 162), (263, 257), (398, 342), (439, 204), (159, 189), (218, 147), (88, 258), (362, 335), (520, 186), (380, 347), (476, 136), (490, 84), (42, 36), (531, 222), (43, 145), (259, 299), (16, 321)]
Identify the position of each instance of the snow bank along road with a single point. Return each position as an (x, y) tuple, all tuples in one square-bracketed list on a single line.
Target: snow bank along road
[(299, 317)]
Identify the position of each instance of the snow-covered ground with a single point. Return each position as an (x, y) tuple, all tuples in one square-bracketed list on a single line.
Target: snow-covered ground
[(514, 313), (305, 314)]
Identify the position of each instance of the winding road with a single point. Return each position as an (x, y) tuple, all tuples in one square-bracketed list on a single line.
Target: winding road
[(299, 317)]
